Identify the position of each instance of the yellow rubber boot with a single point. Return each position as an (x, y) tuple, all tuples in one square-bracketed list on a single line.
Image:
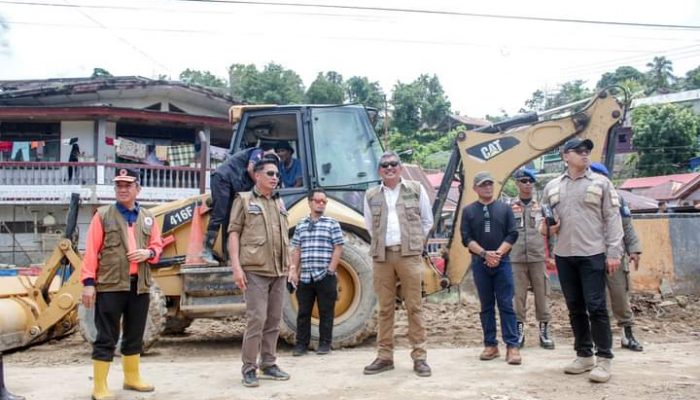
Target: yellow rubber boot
[(132, 376), (100, 370)]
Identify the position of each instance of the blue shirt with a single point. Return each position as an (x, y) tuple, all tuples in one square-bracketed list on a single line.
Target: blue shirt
[(291, 174), (130, 216), (316, 241)]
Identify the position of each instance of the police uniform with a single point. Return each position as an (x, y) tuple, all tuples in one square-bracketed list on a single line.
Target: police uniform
[(527, 258), (590, 228), (261, 223), (619, 283)]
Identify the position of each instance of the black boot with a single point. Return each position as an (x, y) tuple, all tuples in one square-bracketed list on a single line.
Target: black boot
[(521, 334), (628, 340), (207, 253), (545, 341), (4, 394)]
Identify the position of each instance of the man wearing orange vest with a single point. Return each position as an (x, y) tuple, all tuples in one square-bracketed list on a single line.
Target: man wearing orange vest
[(121, 240)]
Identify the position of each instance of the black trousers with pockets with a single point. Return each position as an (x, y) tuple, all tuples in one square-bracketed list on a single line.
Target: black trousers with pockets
[(114, 310), (326, 292)]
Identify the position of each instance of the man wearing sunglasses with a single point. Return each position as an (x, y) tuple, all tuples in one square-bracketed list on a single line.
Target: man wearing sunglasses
[(527, 256), (258, 242), (488, 231), (318, 244), (398, 217), (589, 242), (618, 282)]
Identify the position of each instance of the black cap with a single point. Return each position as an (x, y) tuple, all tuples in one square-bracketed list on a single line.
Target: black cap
[(284, 145), (126, 175), (576, 143)]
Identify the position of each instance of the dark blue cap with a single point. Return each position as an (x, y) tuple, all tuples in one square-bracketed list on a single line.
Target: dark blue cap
[(599, 168), (525, 173), (576, 143)]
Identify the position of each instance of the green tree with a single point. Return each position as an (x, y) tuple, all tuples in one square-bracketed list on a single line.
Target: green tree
[(361, 90), (100, 73), (273, 85), (665, 136), (660, 76), (419, 104), (692, 79), (326, 89), (202, 78), (621, 74), (567, 92)]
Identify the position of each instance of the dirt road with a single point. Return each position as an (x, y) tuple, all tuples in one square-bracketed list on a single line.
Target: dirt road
[(205, 364)]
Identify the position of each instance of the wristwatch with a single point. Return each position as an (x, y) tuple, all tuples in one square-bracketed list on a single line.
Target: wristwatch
[(482, 254), (152, 252)]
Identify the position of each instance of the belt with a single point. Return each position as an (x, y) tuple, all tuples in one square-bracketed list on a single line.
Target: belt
[(396, 247)]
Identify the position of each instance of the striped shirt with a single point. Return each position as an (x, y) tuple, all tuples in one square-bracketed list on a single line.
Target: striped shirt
[(316, 241)]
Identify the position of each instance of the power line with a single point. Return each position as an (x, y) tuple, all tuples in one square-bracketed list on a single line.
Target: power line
[(386, 10)]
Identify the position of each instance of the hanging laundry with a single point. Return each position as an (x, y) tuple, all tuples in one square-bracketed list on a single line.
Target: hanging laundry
[(20, 151), (5, 146), (217, 153), (131, 150), (162, 153), (181, 156), (109, 141)]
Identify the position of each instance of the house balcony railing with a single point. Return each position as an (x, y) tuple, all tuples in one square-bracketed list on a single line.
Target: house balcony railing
[(96, 173)]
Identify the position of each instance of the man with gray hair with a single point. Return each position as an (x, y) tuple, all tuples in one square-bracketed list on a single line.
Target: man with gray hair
[(398, 216)]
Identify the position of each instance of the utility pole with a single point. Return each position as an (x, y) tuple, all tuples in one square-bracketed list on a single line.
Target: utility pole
[(386, 123)]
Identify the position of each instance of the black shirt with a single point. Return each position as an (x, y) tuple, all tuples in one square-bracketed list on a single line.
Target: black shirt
[(489, 225)]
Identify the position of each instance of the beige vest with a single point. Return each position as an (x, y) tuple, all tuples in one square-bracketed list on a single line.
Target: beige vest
[(408, 211), (113, 266), (530, 244), (256, 245)]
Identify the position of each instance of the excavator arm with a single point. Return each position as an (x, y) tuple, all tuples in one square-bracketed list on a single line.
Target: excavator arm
[(501, 149)]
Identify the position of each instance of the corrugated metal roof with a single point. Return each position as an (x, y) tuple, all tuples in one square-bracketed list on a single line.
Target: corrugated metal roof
[(651, 181)]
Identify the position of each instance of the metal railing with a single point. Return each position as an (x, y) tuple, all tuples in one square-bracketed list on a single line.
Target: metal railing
[(94, 173)]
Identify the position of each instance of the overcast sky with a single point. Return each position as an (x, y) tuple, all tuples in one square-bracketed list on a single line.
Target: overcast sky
[(484, 64)]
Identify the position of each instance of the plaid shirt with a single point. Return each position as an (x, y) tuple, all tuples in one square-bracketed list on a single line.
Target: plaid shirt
[(316, 240)]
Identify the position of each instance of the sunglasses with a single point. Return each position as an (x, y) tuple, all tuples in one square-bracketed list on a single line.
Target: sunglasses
[(320, 201), (581, 152), (525, 180), (272, 173), (389, 164)]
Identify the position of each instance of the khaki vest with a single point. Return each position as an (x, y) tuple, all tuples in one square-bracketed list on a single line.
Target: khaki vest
[(113, 266), (530, 244), (256, 248), (408, 210)]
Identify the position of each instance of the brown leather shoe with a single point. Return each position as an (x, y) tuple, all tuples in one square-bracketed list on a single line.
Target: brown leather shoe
[(489, 353), (421, 368), (513, 356), (378, 366)]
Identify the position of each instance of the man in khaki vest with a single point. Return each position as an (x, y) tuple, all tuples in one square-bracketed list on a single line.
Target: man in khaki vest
[(258, 241), (398, 216), (121, 240), (527, 258)]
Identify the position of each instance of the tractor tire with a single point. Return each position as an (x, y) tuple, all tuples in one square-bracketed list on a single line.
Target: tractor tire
[(155, 321), (355, 310)]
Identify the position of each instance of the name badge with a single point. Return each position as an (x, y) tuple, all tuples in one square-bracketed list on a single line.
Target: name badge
[(254, 209)]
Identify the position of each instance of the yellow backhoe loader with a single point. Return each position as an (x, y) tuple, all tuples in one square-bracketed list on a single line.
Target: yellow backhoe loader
[(339, 151)]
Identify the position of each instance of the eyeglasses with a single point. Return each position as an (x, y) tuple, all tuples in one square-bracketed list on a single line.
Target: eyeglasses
[(581, 151), (320, 201), (389, 164), (525, 181), (272, 173)]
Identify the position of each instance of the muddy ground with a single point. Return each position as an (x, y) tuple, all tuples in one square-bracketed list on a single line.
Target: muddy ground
[(204, 363)]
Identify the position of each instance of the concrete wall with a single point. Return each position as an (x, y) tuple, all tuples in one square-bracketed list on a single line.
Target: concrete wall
[(84, 131)]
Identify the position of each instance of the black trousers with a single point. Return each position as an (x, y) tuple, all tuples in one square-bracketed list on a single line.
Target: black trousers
[(114, 310), (583, 283), (222, 195), (326, 292)]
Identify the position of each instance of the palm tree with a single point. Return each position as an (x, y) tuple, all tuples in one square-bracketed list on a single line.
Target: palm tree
[(660, 75)]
